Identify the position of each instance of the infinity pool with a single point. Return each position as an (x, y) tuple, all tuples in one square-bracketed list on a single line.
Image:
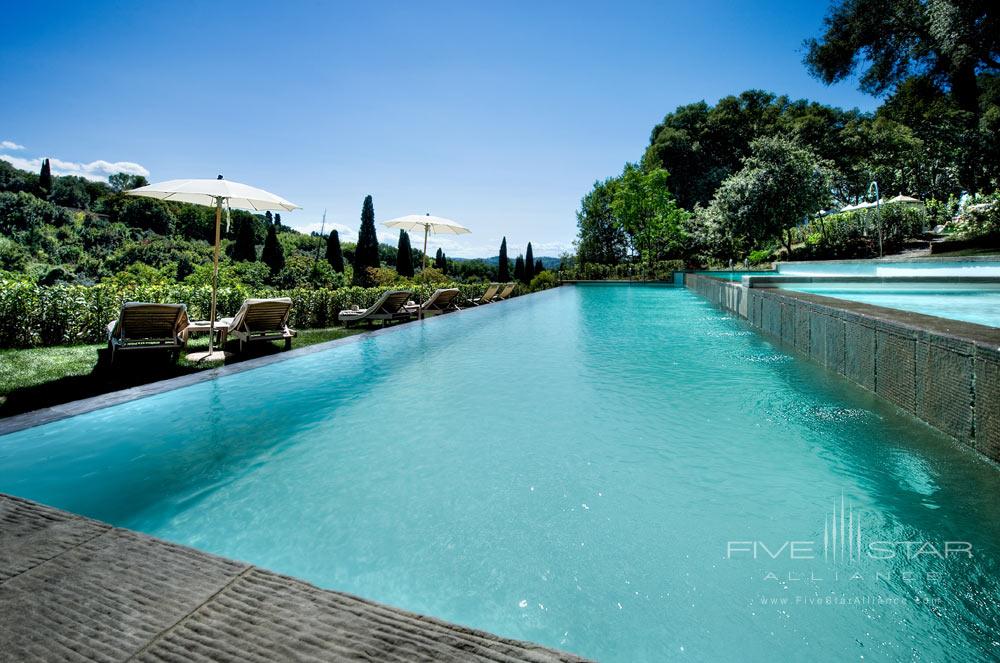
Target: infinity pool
[(591, 468), (979, 303)]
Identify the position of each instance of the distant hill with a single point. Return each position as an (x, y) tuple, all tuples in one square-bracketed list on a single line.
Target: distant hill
[(548, 261)]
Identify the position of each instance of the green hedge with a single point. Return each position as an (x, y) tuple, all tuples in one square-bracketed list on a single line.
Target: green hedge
[(33, 315), (659, 271)]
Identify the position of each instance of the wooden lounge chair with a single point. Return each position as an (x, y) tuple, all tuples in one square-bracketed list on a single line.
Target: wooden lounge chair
[(506, 292), (145, 326), (261, 320), (441, 300), (389, 308), (488, 296)]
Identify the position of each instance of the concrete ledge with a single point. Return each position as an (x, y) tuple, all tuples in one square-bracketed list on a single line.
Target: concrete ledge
[(945, 372), (76, 589)]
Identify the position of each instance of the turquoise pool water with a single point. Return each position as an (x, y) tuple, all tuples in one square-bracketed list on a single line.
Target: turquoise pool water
[(936, 267), (734, 276), (979, 303), (583, 468)]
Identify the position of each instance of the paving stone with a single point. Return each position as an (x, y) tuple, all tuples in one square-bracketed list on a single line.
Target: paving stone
[(105, 599), (79, 590), (31, 534), (266, 617)]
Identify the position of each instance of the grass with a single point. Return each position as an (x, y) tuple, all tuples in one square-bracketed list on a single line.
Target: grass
[(42, 377)]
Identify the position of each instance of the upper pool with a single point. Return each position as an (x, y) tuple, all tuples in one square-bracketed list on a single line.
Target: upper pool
[(979, 303), (620, 471), (734, 275), (936, 267)]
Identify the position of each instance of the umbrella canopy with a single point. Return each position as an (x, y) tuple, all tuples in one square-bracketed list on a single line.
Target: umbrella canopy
[(434, 224), (429, 224), (208, 192), (214, 193), (904, 199), (851, 208)]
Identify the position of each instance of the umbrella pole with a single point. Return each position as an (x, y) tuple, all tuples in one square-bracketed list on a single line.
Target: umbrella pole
[(420, 311), (426, 230), (215, 275)]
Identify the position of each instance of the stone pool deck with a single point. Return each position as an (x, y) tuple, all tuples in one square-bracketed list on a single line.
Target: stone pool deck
[(75, 589)]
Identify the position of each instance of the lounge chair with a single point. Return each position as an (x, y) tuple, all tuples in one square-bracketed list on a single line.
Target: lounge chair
[(390, 307), (144, 326), (506, 292), (261, 320), (441, 300), (488, 296)]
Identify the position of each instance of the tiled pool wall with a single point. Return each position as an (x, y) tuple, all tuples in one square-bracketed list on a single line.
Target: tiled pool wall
[(945, 372)]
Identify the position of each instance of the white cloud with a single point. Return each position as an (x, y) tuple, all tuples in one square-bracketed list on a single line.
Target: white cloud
[(95, 170), (346, 234), (10, 145)]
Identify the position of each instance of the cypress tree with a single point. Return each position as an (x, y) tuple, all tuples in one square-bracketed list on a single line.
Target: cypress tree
[(245, 247), (404, 255), (539, 267), (519, 269), (272, 254), (277, 219), (439, 260), (366, 252), (529, 264), (45, 179), (503, 271), (334, 255), (268, 218)]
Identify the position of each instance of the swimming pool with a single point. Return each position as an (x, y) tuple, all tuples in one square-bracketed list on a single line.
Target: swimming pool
[(939, 267), (586, 468), (734, 275), (979, 303)]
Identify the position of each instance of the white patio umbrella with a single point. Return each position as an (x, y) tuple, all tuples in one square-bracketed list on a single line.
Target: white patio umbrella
[(214, 193), (904, 199), (429, 224)]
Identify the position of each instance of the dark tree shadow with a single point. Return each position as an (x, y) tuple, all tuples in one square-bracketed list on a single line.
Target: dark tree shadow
[(128, 370)]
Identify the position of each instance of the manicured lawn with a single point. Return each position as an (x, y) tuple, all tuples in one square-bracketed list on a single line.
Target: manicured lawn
[(41, 377)]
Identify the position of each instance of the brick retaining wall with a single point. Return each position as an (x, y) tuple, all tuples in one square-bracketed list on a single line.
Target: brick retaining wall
[(945, 372)]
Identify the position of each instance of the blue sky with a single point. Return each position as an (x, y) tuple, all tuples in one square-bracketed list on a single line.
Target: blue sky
[(497, 115)]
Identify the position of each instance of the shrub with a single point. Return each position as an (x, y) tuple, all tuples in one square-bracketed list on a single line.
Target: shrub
[(856, 234), (543, 281), (761, 256), (35, 315)]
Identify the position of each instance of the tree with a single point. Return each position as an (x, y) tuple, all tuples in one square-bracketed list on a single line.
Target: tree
[(539, 267), (268, 219), (601, 236), (334, 255), (45, 179), (780, 185), (649, 213), (70, 191), (503, 268), (277, 220), (120, 182), (404, 255), (947, 41), (519, 269), (272, 254), (529, 264), (185, 268), (244, 249), (366, 251), (441, 261), (145, 213)]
